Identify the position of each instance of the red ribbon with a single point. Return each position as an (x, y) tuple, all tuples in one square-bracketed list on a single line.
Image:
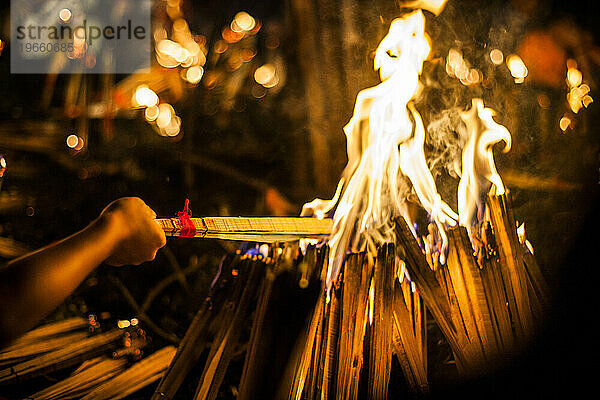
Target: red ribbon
[(188, 229)]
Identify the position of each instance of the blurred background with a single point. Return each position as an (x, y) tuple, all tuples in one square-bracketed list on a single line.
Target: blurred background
[(242, 113)]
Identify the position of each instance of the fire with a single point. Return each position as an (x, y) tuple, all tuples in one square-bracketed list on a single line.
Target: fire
[(386, 160), (479, 175), (523, 238), (385, 138)]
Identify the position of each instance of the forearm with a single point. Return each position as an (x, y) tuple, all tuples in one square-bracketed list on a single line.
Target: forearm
[(35, 284)]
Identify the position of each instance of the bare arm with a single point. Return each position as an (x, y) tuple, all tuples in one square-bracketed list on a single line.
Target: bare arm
[(33, 285)]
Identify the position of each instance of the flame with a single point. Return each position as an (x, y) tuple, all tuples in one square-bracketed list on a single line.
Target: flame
[(479, 175), (385, 138), (523, 238), (386, 160)]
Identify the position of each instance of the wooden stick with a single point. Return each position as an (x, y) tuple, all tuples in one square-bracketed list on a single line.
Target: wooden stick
[(82, 381), (380, 354), (45, 331), (511, 257), (195, 339), (222, 347), (42, 346), (62, 358), (134, 378), (257, 229), (355, 292)]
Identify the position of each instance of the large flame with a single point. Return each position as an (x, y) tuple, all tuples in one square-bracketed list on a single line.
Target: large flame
[(386, 161), (385, 139)]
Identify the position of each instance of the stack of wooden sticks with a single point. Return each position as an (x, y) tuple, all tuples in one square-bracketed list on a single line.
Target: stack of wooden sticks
[(109, 362), (487, 306)]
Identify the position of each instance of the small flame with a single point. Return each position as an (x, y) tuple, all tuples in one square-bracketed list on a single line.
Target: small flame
[(122, 324), (479, 175), (523, 238)]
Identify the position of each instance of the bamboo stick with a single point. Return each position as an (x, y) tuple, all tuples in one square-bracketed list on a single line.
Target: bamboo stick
[(380, 354), (316, 383), (330, 345), (256, 229), (354, 300), (429, 287), (41, 346), (542, 291), (61, 358), (82, 381), (227, 337), (473, 344), (194, 341), (511, 258), (313, 387), (134, 378), (249, 370), (468, 286), (46, 331), (408, 341), (89, 363), (303, 374), (403, 359), (498, 304), (299, 371)]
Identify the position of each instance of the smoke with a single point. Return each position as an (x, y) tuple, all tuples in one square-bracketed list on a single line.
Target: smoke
[(446, 142)]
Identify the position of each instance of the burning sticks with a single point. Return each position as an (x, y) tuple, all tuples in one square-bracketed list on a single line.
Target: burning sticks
[(382, 325), (486, 309), (370, 316), (353, 324)]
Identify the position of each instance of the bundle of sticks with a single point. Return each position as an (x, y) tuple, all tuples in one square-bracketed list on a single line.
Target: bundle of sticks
[(370, 317), (110, 366), (488, 307), (347, 343)]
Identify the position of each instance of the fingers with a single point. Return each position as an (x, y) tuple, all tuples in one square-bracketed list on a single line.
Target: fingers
[(143, 238)]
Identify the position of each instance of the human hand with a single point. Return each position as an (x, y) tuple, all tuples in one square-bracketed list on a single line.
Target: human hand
[(136, 234)]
